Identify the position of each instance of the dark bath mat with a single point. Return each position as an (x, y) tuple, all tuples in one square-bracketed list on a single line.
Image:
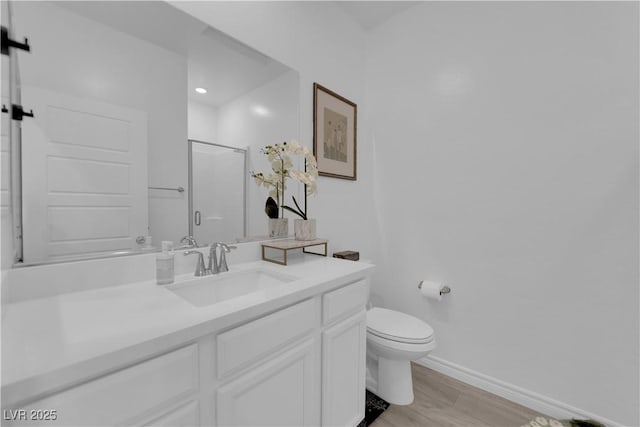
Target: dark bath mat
[(374, 406)]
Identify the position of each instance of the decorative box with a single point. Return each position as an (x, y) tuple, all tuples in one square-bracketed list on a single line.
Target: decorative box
[(352, 255)]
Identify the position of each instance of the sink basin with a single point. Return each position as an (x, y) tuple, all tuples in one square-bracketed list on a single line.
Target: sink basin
[(209, 290)]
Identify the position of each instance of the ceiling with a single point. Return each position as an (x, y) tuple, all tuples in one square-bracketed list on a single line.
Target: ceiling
[(224, 66), (371, 13)]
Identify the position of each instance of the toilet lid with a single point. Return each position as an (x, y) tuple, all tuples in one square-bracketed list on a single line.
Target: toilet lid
[(396, 326)]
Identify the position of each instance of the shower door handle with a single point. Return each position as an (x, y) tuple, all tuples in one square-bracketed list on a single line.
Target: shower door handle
[(197, 217)]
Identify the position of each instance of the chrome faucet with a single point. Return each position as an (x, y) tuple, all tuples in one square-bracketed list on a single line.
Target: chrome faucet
[(214, 267), (218, 266), (200, 269), (188, 242), (224, 249)]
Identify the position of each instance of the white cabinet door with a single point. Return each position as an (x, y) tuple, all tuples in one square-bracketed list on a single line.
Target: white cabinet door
[(343, 372), (281, 392), (185, 416)]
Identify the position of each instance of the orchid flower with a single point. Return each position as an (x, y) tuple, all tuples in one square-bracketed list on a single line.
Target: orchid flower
[(282, 168)]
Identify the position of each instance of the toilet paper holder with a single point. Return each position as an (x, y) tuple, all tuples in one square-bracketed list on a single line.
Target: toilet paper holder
[(445, 289)]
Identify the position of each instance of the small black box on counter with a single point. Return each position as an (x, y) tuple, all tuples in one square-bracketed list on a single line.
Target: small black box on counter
[(352, 255)]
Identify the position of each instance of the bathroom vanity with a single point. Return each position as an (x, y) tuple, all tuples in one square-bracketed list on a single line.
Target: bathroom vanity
[(291, 352)]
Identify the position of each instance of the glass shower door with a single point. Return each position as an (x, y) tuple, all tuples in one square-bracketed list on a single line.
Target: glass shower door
[(218, 179)]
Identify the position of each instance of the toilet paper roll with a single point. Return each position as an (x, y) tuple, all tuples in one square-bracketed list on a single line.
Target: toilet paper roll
[(432, 290)]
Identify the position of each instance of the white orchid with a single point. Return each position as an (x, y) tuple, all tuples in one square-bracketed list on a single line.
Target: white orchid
[(282, 167)]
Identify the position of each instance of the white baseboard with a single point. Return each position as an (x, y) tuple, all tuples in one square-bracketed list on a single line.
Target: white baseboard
[(530, 399)]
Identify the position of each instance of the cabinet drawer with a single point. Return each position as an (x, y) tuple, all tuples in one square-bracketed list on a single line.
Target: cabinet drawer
[(250, 343), (124, 395), (344, 301)]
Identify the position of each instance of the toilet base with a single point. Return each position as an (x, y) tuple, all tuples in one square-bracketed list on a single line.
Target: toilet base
[(390, 379), (394, 381)]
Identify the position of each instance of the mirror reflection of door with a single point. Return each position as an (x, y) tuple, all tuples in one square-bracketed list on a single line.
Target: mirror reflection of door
[(218, 183), (85, 189)]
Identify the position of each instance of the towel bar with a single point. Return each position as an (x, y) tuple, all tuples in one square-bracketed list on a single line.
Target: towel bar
[(179, 189)]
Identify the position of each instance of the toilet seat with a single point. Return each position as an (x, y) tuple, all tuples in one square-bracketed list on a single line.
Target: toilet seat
[(400, 327)]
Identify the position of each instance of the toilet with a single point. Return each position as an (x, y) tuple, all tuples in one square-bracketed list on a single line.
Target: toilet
[(394, 339)]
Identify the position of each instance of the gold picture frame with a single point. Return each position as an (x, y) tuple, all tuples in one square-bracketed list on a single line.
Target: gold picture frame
[(334, 134)]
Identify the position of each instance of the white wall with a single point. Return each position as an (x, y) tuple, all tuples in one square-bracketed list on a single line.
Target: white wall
[(506, 164), (324, 45), (202, 121), (266, 115)]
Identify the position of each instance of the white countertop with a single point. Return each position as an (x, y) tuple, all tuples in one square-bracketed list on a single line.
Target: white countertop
[(55, 342)]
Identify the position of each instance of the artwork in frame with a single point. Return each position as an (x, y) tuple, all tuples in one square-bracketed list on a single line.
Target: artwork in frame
[(334, 133)]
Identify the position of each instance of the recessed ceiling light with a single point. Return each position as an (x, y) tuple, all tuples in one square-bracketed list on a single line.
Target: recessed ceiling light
[(201, 90), (260, 110)]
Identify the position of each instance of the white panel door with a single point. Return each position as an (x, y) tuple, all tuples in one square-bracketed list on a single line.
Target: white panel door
[(343, 372), (282, 392), (84, 176)]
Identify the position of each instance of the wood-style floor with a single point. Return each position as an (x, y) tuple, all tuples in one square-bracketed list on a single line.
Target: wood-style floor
[(441, 401)]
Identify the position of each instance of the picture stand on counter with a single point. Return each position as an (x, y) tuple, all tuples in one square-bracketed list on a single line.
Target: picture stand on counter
[(284, 246)]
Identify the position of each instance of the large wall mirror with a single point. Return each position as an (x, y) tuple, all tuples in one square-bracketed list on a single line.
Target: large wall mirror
[(106, 158)]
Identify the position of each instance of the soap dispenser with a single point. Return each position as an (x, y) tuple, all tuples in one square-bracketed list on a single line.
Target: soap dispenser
[(164, 264)]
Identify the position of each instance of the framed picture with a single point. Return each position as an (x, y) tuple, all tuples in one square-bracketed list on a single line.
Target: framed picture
[(334, 133)]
